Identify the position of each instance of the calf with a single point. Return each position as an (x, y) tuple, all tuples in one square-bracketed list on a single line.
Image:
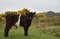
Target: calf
[(23, 20)]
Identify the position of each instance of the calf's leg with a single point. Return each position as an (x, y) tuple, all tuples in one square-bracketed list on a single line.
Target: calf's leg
[(26, 31), (7, 28)]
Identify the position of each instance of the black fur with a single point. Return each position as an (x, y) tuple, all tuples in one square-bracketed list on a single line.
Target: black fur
[(25, 21)]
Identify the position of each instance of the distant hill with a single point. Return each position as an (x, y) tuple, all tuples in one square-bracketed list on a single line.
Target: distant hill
[(50, 13)]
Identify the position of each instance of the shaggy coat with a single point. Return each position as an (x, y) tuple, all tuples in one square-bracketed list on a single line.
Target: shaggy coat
[(23, 20)]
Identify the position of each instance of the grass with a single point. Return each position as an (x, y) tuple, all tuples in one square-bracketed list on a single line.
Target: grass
[(34, 33)]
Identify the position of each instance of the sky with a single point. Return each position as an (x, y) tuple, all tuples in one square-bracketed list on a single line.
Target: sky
[(33, 5)]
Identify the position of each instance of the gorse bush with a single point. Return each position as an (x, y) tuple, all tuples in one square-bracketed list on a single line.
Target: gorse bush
[(1, 17), (23, 11)]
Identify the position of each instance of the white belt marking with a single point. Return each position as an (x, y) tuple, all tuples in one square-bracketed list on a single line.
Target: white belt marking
[(18, 22)]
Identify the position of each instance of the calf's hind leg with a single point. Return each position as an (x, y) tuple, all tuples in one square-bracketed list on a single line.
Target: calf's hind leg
[(7, 28)]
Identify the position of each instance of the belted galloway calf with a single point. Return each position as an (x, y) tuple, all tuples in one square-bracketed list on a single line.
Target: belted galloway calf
[(23, 20)]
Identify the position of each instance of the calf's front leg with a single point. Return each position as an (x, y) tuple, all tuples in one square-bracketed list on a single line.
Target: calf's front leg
[(26, 31)]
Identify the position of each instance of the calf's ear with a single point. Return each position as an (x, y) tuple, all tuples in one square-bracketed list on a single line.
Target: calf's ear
[(34, 12)]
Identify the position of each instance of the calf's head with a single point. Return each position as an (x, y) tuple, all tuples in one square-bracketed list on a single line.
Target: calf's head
[(30, 15)]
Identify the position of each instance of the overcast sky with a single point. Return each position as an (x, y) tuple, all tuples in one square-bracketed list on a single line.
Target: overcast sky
[(33, 5)]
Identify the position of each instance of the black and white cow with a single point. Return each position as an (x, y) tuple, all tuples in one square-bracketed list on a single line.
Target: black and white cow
[(23, 20)]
